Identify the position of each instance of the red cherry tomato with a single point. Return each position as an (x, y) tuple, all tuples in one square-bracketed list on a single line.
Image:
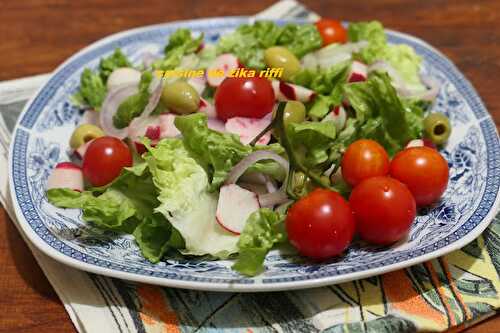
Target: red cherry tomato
[(364, 159), (320, 225), (104, 160), (424, 171), (384, 210), (244, 97), (331, 31)]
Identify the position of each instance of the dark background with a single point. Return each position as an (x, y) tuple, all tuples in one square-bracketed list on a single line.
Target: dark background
[(36, 36)]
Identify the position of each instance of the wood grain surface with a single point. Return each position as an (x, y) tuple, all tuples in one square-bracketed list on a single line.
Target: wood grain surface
[(36, 36)]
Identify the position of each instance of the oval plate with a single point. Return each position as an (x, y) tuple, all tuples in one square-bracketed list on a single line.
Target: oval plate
[(41, 137)]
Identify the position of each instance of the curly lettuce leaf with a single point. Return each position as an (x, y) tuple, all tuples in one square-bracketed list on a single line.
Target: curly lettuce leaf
[(218, 152), (249, 41), (402, 57), (264, 229), (315, 137), (185, 201), (92, 90), (114, 61), (180, 43)]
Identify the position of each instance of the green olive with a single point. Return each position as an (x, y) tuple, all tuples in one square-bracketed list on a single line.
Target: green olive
[(280, 57), (83, 134), (180, 97), (295, 112), (437, 128)]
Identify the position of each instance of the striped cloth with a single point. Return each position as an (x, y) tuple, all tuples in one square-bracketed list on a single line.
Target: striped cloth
[(453, 291)]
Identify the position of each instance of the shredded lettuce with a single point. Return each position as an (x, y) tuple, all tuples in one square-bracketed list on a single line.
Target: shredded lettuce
[(402, 57), (264, 229)]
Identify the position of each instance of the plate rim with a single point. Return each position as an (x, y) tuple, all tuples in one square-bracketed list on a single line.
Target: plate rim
[(44, 247)]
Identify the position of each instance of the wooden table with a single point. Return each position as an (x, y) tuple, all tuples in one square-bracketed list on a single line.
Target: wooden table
[(36, 36)]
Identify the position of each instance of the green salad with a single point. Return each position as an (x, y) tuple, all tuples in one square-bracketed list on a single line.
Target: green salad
[(275, 135)]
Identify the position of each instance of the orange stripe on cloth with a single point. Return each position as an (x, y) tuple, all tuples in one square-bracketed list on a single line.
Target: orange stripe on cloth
[(453, 286), (441, 292), (403, 298), (155, 311)]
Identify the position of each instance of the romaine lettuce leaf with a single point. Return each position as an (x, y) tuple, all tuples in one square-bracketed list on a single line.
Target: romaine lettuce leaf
[(300, 39), (92, 89), (185, 201), (264, 229)]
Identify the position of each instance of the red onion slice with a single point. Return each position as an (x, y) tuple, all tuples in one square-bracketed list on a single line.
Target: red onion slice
[(240, 168), (154, 99), (272, 199), (110, 106)]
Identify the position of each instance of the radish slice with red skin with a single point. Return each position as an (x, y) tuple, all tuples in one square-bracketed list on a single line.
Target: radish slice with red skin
[(339, 116), (167, 126), (226, 62), (249, 128), (207, 108), (234, 207), (291, 92), (66, 175), (358, 73), (420, 143)]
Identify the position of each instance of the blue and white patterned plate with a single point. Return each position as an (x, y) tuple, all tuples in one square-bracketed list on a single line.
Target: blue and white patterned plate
[(41, 140)]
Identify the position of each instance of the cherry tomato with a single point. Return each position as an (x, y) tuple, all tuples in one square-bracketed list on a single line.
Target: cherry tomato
[(320, 225), (104, 160), (424, 171), (331, 31), (384, 209), (364, 159), (244, 97)]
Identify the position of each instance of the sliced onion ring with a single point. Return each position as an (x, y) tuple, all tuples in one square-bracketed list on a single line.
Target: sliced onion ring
[(272, 199), (240, 168), (110, 106)]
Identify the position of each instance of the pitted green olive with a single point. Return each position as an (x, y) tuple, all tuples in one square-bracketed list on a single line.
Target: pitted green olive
[(280, 57), (83, 134), (437, 128), (180, 97)]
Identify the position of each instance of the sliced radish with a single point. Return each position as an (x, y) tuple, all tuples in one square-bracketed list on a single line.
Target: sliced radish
[(123, 76), (216, 125), (234, 207), (167, 126), (225, 62), (66, 175), (207, 108), (339, 116), (291, 92), (420, 143), (80, 151), (359, 72), (198, 83), (249, 128)]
